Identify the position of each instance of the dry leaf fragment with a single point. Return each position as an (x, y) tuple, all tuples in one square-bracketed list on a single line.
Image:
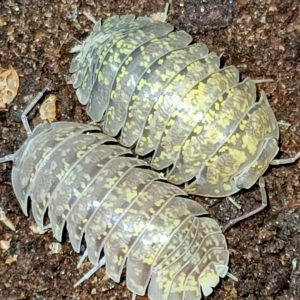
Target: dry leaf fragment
[(9, 85), (48, 109), (4, 245), (11, 259)]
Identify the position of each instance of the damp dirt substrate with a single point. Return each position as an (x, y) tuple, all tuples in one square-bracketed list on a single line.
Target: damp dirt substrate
[(262, 38)]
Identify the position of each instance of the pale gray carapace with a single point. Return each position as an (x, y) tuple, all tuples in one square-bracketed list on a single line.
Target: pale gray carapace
[(170, 99), (127, 214)]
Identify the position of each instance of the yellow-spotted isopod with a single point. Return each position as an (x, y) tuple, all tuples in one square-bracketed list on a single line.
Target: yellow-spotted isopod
[(127, 215), (171, 100)]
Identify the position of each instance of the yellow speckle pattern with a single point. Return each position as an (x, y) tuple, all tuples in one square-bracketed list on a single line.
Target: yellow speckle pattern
[(94, 50), (180, 239), (249, 176), (119, 53), (199, 107), (75, 182), (98, 191), (172, 101), (108, 214), (137, 217), (38, 148), (170, 279), (169, 99), (205, 273), (239, 152), (189, 240), (213, 129), (147, 249), (130, 74), (64, 156), (123, 209), (158, 76)]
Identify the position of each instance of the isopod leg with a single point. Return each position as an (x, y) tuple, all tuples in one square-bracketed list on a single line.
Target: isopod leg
[(284, 161), (30, 106), (6, 158), (231, 200), (264, 203), (90, 272), (90, 17), (82, 259), (165, 13), (232, 277)]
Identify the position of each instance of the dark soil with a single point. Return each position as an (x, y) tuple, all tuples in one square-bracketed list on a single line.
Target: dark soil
[(262, 38)]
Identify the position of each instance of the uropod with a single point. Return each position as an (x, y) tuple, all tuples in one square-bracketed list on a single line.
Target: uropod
[(170, 99), (127, 215)]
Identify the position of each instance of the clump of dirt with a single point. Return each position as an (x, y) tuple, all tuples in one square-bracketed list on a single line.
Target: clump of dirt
[(262, 38), (203, 15)]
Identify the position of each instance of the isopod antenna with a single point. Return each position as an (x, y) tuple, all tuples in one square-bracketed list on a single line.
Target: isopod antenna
[(24, 118)]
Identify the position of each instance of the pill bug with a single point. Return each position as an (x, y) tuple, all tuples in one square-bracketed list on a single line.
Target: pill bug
[(128, 216), (171, 100)]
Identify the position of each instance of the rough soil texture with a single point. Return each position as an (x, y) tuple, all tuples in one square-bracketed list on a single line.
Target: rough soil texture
[(262, 38)]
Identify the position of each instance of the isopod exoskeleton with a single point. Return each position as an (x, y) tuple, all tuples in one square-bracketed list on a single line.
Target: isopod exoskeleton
[(171, 100), (127, 214)]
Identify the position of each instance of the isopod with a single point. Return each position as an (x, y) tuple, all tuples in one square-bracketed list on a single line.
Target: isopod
[(171, 100), (127, 214)]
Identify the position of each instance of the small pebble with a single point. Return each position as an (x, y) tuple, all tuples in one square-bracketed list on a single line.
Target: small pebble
[(55, 248), (294, 264)]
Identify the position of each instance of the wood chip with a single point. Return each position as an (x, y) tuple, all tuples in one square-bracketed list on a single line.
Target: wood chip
[(9, 85), (48, 109)]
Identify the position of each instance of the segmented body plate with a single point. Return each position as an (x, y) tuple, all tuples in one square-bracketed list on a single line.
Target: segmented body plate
[(171, 100), (126, 212)]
